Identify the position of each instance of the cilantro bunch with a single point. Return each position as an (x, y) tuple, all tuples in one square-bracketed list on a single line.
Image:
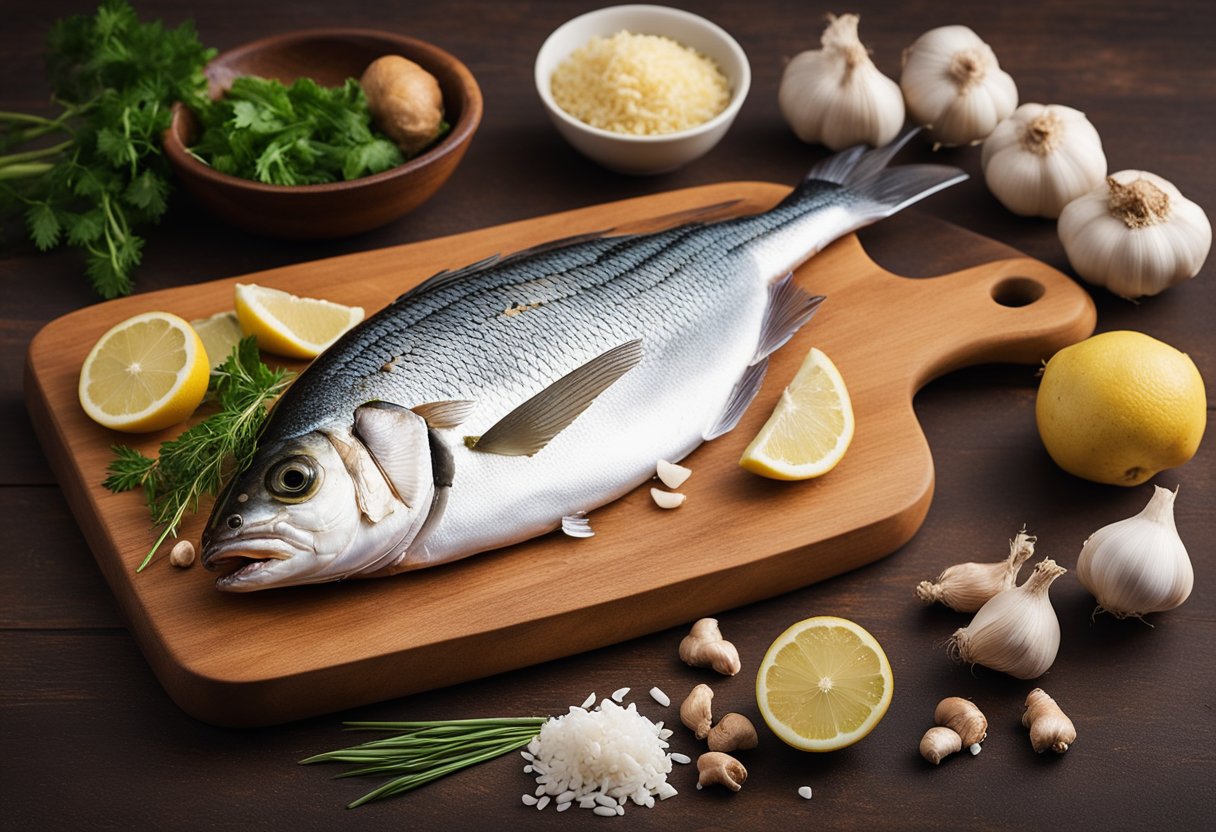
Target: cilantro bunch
[(304, 134), (94, 173)]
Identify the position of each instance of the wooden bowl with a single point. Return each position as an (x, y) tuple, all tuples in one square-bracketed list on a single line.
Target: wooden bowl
[(336, 209)]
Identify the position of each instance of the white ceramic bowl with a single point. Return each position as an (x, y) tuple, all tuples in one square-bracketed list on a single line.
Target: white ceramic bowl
[(644, 154)]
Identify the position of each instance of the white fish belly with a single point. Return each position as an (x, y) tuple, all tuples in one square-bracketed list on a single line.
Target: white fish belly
[(661, 409)]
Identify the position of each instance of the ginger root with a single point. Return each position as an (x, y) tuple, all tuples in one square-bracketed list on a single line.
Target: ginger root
[(734, 732), (405, 100), (1049, 726), (705, 647), (717, 769), (963, 718), (938, 743), (695, 711)]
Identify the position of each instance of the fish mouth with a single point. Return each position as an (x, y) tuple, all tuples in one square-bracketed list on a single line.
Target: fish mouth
[(245, 557)]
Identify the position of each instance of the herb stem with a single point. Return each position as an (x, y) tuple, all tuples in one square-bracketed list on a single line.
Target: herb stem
[(25, 170), (31, 155)]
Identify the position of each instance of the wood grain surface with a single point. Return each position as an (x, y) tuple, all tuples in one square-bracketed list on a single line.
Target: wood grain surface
[(358, 642), (91, 741)]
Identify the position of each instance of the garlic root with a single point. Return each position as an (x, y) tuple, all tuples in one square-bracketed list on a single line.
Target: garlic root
[(715, 768), (965, 587), (696, 712), (705, 647), (1049, 726), (964, 718), (734, 732), (939, 743)]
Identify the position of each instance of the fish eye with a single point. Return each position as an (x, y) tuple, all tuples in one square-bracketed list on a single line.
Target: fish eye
[(294, 479)]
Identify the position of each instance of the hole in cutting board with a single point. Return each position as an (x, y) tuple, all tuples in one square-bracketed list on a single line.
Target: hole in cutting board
[(1017, 291)]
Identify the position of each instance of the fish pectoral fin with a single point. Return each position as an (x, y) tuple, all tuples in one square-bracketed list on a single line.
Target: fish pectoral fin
[(577, 525), (397, 440), (531, 426), (789, 308), (740, 397), (445, 414)]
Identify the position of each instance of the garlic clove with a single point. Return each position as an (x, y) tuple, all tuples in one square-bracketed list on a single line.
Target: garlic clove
[(667, 499), (672, 475), (965, 587), (954, 86), (1138, 565), (1135, 234), (1017, 631), (835, 96)]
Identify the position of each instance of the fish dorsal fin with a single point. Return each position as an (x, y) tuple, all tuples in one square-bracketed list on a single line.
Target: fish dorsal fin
[(397, 439), (740, 397), (448, 276), (372, 492), (789, 308), (529, 427), (445, 414)]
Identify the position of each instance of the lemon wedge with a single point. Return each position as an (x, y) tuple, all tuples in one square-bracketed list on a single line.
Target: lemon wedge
[(824, 684), (289, 325), (811, 426), (145, 374), (219, 333)]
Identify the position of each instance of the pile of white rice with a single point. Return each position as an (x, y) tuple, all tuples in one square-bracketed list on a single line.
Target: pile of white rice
[(600, 760), (642, 85)]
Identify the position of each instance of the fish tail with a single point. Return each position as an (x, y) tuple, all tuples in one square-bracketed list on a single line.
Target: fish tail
[(883, 190)]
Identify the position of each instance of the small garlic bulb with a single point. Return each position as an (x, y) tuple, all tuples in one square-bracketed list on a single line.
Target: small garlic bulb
[(1138, 565), (835, 96), (1017, 632), (954, 86), (1041, 158), (965, 587), (1135, 234)]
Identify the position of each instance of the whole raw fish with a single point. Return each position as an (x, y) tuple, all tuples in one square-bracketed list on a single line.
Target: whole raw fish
[(498, 402)]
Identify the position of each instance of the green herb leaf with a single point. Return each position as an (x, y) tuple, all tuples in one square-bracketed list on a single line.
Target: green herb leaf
[(197, 462), (43, 225)]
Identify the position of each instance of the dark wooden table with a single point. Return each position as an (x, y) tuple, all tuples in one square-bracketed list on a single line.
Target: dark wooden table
[(89, 739)]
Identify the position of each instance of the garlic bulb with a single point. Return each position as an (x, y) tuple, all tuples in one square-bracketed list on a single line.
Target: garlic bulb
[(965, 587), (1138, 565), (835, 96), (1017, 632), (1135, 234), (1041, 158), (954, 86)]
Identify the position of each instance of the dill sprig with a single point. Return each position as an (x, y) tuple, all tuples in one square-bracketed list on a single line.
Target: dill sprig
[(199, 460), (419, 752)]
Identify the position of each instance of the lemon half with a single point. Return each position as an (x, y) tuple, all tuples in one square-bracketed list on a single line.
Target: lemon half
[(289, 325), (824, 684), (145, 374), (811, 426)]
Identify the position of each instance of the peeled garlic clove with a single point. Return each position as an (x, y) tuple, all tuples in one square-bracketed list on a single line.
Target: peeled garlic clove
[(938, 743), (1135, 234), (1041, 158), (965, 587), (954, 86), (1138, 565), (667, 499), (1016, 632), (835, 96), (672, 475)]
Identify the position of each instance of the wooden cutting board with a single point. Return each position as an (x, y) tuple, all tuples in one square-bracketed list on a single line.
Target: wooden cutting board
[(275, 656)]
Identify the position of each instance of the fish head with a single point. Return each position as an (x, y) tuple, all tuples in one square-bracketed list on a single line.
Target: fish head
[(324, 506)]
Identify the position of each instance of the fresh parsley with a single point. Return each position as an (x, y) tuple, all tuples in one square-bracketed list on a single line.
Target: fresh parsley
[(199, 460), (303, 134), (91, 175)]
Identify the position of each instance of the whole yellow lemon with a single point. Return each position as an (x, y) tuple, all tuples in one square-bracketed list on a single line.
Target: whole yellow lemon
[(1119, 407)]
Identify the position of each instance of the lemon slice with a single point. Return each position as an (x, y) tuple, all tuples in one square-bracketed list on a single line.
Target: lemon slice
[(288, 325), (219, 333), (145, 374), (811, 426), (824, 684)]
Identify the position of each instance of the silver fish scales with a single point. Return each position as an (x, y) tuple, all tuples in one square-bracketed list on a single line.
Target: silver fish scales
[(502, 400)]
